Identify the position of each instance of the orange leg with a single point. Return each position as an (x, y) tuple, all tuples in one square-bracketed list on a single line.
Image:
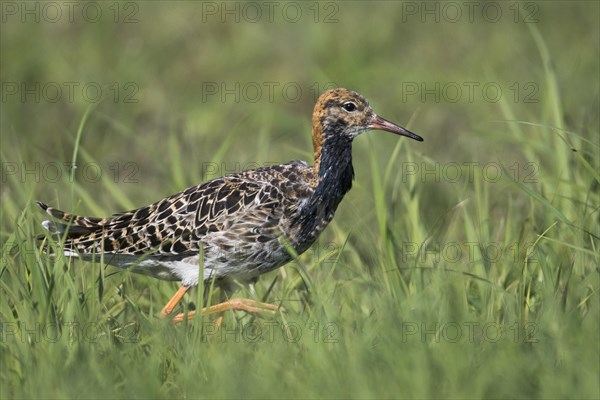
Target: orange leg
[(237, 303), (168, 308)]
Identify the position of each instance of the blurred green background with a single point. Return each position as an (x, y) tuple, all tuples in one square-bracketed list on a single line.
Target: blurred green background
[(151, 97)]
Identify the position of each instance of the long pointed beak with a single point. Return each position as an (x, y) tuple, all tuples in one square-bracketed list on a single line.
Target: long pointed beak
[(383, 124)]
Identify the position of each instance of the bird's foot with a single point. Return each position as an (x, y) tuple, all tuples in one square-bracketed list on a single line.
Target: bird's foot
[(237, 303)]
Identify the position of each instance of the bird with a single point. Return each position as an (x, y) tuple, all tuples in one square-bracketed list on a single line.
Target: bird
[(243, 224)]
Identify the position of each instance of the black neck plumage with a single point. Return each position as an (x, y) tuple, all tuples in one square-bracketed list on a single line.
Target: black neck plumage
[(335, 180)]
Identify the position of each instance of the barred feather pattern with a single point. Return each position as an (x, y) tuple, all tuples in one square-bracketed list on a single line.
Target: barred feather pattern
[(243, 222)]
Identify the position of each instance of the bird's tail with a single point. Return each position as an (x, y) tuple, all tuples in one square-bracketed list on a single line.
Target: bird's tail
[(70, 226)]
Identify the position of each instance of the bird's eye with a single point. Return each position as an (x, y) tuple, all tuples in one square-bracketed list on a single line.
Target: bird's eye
[(349, 106)]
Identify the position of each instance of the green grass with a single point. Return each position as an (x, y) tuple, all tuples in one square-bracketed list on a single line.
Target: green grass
[(423, 286)]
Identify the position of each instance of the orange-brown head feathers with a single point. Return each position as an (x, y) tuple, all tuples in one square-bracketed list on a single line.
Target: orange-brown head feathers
[(344, 114)]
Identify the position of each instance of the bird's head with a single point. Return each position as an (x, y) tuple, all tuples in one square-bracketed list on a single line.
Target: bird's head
[(344, 114)]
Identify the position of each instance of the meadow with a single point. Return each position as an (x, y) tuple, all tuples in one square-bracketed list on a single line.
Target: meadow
[(465, 266)]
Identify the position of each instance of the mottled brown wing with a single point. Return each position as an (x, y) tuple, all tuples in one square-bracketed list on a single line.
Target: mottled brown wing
[(245, 207)]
